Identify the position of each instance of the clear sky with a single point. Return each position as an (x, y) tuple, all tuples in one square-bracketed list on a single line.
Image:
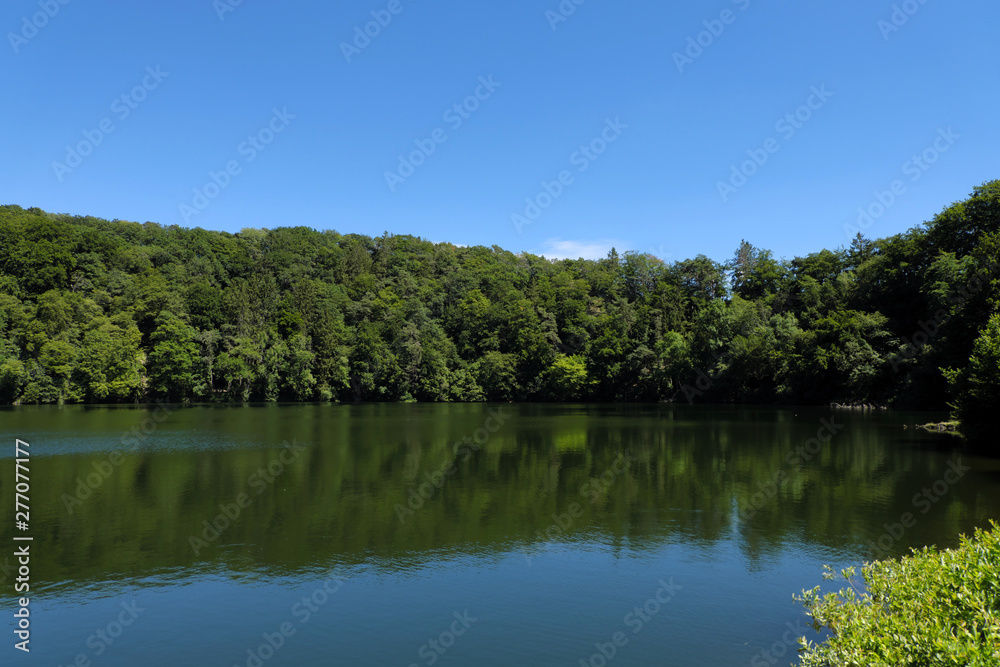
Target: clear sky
[(308, 115)]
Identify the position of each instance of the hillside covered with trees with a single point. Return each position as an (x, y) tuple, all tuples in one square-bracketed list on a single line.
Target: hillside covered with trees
[(97, 311)]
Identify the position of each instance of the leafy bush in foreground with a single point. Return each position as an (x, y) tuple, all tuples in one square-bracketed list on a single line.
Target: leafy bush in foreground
[(928, 609)]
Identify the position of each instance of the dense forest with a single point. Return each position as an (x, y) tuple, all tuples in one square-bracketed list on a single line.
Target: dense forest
[(101, 311)]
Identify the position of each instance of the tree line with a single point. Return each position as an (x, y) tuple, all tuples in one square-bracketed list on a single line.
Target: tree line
[(97, 311)]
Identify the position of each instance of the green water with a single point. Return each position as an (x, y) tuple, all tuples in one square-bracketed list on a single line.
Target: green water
[(458, 534)]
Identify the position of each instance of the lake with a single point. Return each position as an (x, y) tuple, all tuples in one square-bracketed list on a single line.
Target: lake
[(459, 534)]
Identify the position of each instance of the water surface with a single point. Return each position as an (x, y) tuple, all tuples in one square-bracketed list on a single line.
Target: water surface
[(459, 534)]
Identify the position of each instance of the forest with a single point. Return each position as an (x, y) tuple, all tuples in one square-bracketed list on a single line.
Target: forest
[(97, 311)]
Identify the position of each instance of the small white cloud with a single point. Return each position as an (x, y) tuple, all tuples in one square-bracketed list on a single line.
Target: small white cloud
[(597, 249)]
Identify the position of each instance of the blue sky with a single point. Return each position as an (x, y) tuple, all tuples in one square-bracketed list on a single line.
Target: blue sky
[(586, 111)]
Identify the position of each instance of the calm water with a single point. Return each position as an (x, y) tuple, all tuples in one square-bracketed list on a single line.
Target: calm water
[(456, 535)]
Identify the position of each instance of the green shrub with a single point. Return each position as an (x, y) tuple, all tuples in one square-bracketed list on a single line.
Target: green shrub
[(928, 609)]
